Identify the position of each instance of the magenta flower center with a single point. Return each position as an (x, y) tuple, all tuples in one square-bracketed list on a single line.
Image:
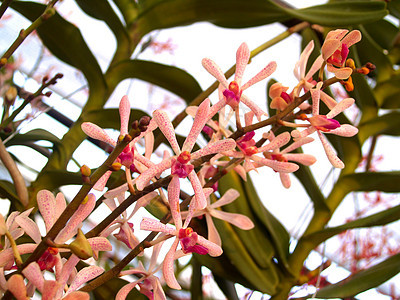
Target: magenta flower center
[(322, 123), (233, 94), (247, 144), (180, 167), (48, 259), (126, 157), (188, 239), (339, 57)]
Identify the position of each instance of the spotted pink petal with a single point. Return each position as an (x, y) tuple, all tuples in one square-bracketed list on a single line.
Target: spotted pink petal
[(264, 73), (174, 189), (277, 166), (241, 221), (155, 225), (125, 290), (213, 249), (330, 153), (101, 183), (337, 34), (201, 201), (340, 73), (100, 244), (285, 179), (147, 175), (17, 287), (317, 64), (297, 144), (304, 159), (33, 273), (213, 235), (316, 96), (83, 276), (198, 124), (77, 218), (328, 100), (47, 206), (77, 295), (216, 147), (50, 289), (229, 196), (215, 71), (254, 107), (7, 256), (142, 202), (97, 133), (167, 129), (168, 267), (329, 47), (242, 59), (248, 118), (300, 67), (276, 143), (353, 37), (341, 106), (346, 130), (124, 112), (30, 227)]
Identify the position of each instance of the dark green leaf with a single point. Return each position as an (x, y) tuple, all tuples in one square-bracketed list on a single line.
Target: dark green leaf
[(34, 135), (65, 41), (338, 14), (226, 13), (383, 33), (388, 124), (59, 178), (7, 191), (170, 78), (102, 10), (387, 93), (378, 219), (227, 287), (394, 8), (363, 280)]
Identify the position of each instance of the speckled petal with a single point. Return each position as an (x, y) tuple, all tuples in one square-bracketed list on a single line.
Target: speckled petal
[(217, 147), (213, 235), (329, 47), (17, 287), (47, 206), (254, 107), (101, 183), (198, 125), (241, 221), (125, 290), (341, 106), (242, 59), (167, 129), (30, 227), (353, 37), (277, 166), (155, 225), (215, 71), (124, 112), (168, 267), (346, 130), (174, 189), (201, 201), (330, 153), (276, 143), (229, 196), (83, 276), (33, 273), (302, 158), (147, 175), (97, 133), (264, 73), (213, 249)]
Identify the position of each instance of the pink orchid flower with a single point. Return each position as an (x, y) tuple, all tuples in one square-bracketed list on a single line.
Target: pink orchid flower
[(336, 49), (126, 234), (326, 124), (285, 155), (248, 151), (211, 210), (180, 164), (148, 283), (233, 90), (189, 240), (129, 155)]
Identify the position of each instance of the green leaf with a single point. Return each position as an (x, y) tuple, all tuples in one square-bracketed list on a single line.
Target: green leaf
[(226, 13), (65, 41), (379, 219), (227, 287), (394, 8), (387, 93), (33, 135), (7, 191), (363, 280), (338, 14), (57, 178), (170, 78), (388, 124), (102, 10), (383, 33)]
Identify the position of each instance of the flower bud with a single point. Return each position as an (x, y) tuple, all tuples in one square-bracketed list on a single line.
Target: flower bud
[(11, 95), (81, 247), (85, 171), (115, 166)]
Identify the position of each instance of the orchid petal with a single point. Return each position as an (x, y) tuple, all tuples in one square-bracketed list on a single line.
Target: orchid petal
[(213, 235), (155, 225), (33, 273), (285, 179), (7, 256), (277, 142), (254, 107), (198, 125), (342, 73), (353, 37), (213, 249), (328, 100), (346, 130), (215, 71), (201, 201), (217, 147), (229, 196), (77, 295), (124, 112), (17, 287), (168, 267), (101, 183), (300, 67), (314, 68), (30, 227), (277, 166), (80, 214), (47, 205), (147, 175), (341, 106), (96, 132), (241, 221), (167, 129), (329, 47), (83, 276), (50, 289), (330, 153), (304, 159), (173, 199), (264, 73), (100, 244), (126, 289), (297, 144), (242, 59)]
